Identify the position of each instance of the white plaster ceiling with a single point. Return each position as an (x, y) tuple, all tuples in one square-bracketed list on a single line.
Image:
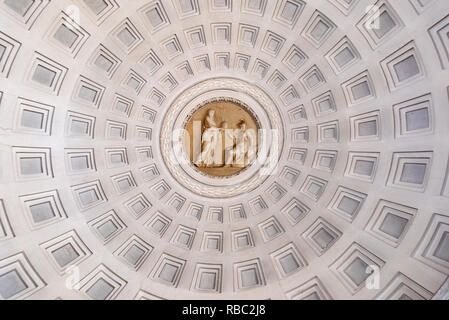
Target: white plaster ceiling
[(89, 209)]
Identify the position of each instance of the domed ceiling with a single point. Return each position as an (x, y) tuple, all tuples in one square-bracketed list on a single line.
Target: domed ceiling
[(341, 193)]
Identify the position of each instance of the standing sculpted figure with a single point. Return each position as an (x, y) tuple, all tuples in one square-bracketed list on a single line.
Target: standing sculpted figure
[(229, 145), (246, 145)]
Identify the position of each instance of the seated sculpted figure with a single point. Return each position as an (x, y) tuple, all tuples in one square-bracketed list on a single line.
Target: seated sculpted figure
[(209, 141)]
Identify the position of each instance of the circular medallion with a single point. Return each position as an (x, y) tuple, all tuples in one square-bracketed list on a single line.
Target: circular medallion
[(222, 138), (193, 158)]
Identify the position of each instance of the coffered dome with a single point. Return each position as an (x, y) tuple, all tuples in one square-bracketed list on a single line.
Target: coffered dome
[(354, 94)]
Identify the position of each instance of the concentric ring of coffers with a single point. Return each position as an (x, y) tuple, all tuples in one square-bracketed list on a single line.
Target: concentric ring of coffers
[(343, 87)]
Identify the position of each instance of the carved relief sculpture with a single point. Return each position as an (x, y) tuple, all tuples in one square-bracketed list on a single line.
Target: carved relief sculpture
[(225, 149)]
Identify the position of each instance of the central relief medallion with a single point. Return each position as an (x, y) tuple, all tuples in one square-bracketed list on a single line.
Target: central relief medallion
[(222, 138)]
